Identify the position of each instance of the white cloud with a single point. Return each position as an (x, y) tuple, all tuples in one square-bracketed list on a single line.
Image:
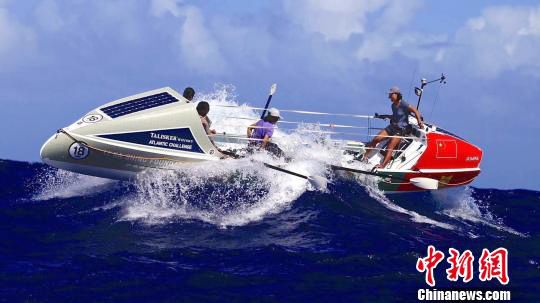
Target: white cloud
[(13, 35), (48, 15), (534, 24), (397, 14), (118, 17), (247, 43), (503, 38), (381, 37), (389, 35), (476, 24), (439, 56), (378, 46), (335, 20), (199, 48), (82, 18), (161, 7)]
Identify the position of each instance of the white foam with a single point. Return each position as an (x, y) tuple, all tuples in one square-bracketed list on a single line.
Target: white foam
[(237, 192), (459, 203), (376, 194), (64, 184)]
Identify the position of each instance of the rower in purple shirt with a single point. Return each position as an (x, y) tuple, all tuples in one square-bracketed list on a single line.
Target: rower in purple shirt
[(262, 132)]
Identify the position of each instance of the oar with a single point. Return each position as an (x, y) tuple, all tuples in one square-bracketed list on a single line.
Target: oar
[(421, 182), (272, 91), (316, 181), (230, 154)]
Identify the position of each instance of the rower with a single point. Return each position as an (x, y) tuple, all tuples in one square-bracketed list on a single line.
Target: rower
[(189, 93), (261, 132), (202, 109), (399, 126)]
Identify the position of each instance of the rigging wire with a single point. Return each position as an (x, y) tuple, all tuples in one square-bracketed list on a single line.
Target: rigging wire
[(411, 84), (299, 111), (331, 125), (435, 102)]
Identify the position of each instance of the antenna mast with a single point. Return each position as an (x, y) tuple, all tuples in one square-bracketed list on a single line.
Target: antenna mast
[(424, 82)]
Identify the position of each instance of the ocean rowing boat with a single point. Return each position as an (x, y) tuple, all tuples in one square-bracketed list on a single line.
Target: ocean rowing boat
[(161, 129)]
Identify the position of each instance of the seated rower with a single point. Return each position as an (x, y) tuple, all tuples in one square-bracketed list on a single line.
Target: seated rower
[(399, 126), (262, 132), (203, 108), (189, 93)]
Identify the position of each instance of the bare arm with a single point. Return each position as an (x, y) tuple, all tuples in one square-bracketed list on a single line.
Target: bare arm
[(418, 117), (250, 129), (212, 131), (382, 116), (265, 141)]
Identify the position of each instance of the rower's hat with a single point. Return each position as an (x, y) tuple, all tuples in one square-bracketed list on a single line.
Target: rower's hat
[(394, 90), (274, 112)]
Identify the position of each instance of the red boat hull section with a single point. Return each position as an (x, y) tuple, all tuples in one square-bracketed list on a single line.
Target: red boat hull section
[(446, 179), (450, 160), (448, 152)]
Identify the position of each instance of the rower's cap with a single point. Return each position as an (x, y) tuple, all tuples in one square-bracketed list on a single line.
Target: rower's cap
[(394, 90), (274, 112)]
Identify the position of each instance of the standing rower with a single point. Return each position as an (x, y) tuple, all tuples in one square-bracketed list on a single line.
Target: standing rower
[(399, 125)]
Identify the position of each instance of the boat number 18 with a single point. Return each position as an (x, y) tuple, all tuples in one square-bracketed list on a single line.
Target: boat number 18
[(78, 151)]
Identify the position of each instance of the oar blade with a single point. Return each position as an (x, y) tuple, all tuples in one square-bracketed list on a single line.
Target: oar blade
[(425, 183), (273, 88)]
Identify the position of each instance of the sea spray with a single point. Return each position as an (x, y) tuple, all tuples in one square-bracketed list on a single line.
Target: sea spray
[(415, 217), (53, 183), (459, 203), (224, 193), (227, 192)]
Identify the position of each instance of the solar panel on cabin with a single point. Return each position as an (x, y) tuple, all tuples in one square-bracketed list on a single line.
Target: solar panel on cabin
[(137, 105)]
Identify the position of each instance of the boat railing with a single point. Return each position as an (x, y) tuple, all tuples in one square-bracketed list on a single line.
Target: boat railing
[(237, 138), (297, 111)]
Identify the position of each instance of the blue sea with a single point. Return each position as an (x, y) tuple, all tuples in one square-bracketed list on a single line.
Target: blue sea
[(212, 235)]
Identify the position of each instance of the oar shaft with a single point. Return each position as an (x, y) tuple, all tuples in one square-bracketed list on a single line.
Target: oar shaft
[(272, 91), (358, 171), (285, 171), (266, 106)]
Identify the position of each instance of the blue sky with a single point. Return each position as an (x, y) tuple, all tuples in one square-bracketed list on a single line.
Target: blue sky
[(59, 59)]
